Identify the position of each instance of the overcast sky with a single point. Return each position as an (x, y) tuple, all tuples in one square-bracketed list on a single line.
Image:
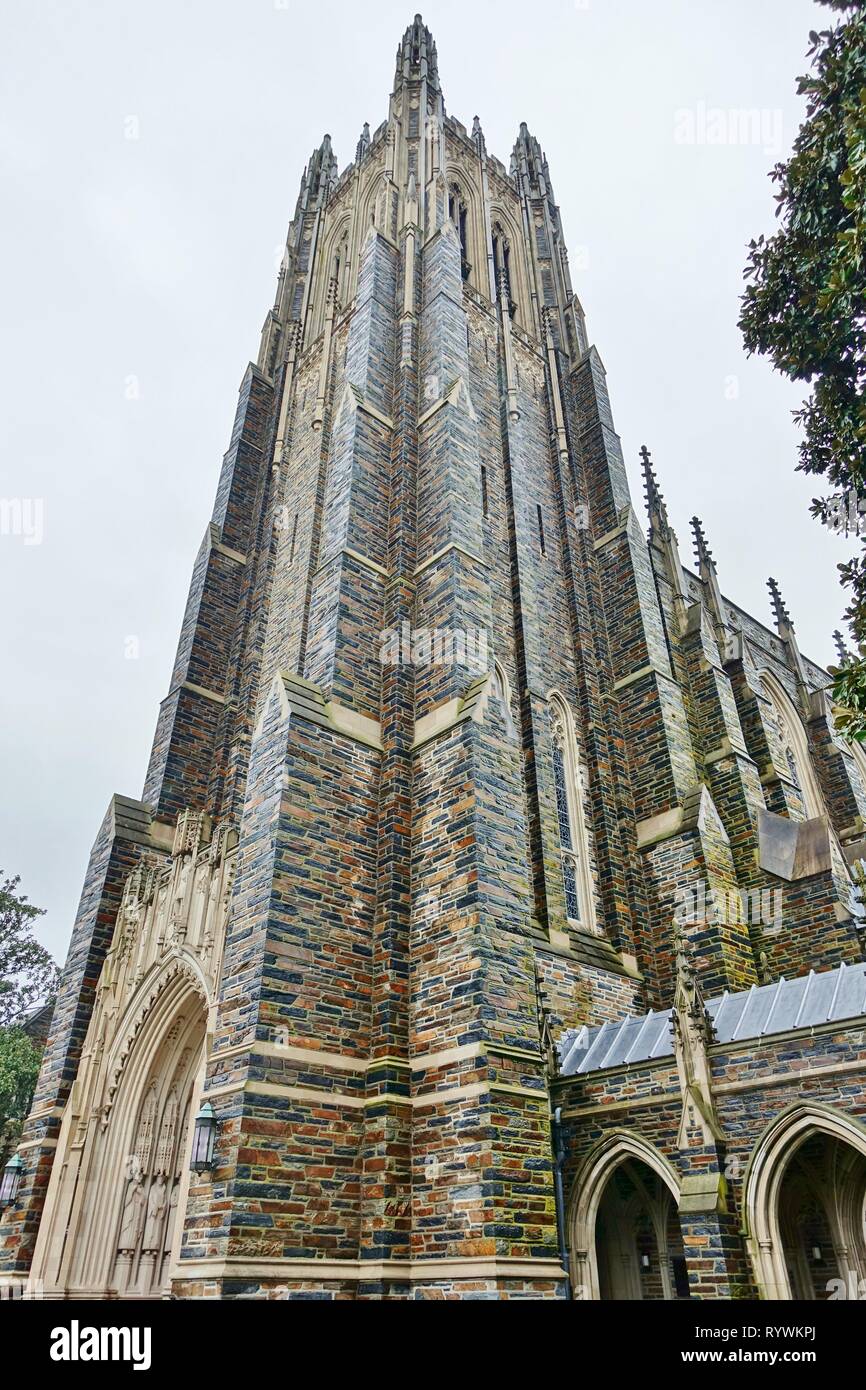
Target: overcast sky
[(150, 155)]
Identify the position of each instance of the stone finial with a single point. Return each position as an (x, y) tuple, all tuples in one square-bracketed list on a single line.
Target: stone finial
[(688, 999), (546, 1028), (841, 649), (780, 612), (363, 144), (478, 137), (417, 57), (662, 537), (703, 554), (693, 1034), (655, 501), (682, 956), (320, 176), (765, 974), (709, 576), (529, 162), (785, 629)]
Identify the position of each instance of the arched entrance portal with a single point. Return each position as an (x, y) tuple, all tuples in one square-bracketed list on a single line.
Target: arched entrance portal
[(638, 1243), (626, 1238), (154, 1171), (821, 1210), (112, 1228), (806, 1204)]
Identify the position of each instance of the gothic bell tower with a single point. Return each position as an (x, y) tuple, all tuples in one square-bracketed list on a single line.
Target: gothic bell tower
[(426, 763), (352, 874)]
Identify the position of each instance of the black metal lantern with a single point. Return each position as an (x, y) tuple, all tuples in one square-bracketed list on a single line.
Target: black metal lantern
[(203, 1139), (11, 1181)]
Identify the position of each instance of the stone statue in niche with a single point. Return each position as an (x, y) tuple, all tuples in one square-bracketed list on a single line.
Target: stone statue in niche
[(156, 1205), (133, 1206)]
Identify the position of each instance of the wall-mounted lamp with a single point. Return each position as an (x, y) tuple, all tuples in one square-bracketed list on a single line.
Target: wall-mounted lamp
[(203, 1139), (816, 1254), (11, 1181), (644, 1261)]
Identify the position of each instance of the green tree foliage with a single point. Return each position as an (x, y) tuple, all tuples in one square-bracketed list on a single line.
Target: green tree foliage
[(28, 974), (19, 1068), (805, 301)]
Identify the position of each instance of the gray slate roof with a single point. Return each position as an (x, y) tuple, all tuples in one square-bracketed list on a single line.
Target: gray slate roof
[(759, 1012)]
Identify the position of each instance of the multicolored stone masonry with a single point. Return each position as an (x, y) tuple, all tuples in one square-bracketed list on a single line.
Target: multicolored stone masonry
[(381, 889)]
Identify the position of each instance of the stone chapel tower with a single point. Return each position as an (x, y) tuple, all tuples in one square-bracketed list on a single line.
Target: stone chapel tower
[(443, 737)]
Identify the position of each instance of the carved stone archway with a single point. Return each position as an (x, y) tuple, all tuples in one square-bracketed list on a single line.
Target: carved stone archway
[(592, 1180), (121, 1173), (765, 1176)]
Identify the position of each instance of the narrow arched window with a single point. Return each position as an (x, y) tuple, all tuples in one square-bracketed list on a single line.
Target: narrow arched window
[(573, 844), (566, 839), (794, 745), (502, 266), (459, 215), (341, 272)]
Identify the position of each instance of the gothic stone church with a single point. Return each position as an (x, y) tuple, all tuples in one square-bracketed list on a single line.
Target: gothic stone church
[(411, 979)]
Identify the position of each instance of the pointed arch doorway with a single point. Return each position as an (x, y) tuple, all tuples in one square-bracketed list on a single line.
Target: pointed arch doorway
[(806, 1207), (626, 1238), (114, 1226)]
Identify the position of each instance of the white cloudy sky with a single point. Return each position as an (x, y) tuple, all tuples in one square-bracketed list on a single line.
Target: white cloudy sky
[(155, 259)]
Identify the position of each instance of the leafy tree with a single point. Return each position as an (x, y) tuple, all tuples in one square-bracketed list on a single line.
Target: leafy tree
[(19, 1068), (805, 303), (28, 974)]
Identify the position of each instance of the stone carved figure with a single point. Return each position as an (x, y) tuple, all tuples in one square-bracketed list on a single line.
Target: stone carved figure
[(133, 1207), (156, 1205)]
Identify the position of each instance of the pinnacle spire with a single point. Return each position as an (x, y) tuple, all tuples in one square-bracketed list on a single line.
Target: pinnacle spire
[(529, 162), (841, 648), (319, 177), (710, 578), (478, 137), (703, 554), (363, 143), (785, 629), (655, 501), (689, 1001), (417, 59), (780, 612), (662, 537)]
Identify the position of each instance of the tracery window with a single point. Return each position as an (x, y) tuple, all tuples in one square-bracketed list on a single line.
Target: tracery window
[(573, 844), (795, 748)]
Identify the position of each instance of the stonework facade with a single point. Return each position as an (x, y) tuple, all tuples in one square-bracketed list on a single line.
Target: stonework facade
[(375, 912)]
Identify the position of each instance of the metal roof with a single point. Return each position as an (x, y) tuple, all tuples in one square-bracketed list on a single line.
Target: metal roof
[(759, 1012)]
